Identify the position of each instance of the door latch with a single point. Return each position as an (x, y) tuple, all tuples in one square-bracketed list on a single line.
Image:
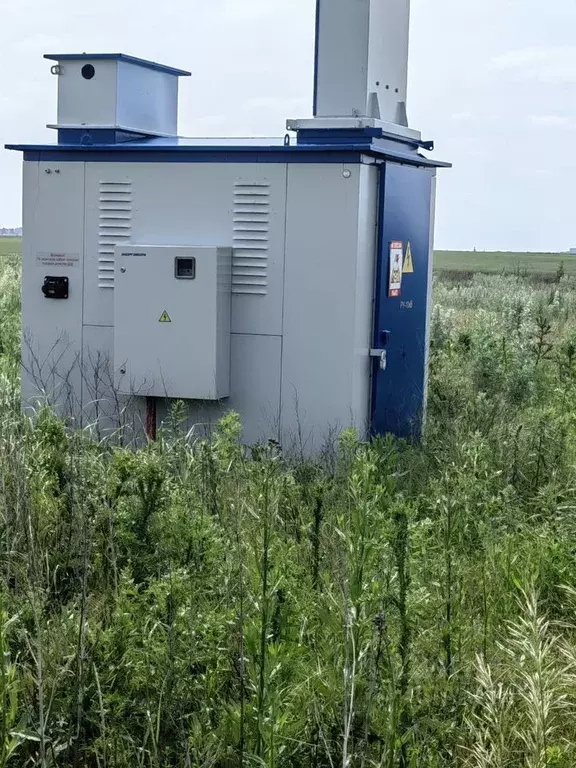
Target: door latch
[(382, 354)]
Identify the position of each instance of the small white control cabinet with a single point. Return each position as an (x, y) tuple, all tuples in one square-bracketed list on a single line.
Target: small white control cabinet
[(172, 321), (118, 92)]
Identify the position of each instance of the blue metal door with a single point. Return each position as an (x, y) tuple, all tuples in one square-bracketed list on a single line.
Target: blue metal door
[(401, 321)]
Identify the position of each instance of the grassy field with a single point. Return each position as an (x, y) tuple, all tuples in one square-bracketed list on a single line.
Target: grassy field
[(10, 245), (498, 261), (450, 261)]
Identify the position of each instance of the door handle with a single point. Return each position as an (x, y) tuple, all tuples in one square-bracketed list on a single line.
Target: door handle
[(383, 355)]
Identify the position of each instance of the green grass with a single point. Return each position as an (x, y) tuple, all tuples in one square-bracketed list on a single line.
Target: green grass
[(498, 261), (10, 245)]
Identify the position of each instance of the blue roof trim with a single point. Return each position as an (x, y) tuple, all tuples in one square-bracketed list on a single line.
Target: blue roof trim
[(162, 150), (352, 135), (86, 137), (118, 57), (158, 156)]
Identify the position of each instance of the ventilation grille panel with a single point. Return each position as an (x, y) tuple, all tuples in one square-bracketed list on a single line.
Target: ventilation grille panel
[(251, 231), (114, 226)]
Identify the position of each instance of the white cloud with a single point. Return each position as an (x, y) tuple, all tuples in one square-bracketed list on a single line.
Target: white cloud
[(552, 121), (233, 10), (547, 65)]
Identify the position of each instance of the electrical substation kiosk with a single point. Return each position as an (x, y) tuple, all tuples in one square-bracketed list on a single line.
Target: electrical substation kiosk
[(286, 279)]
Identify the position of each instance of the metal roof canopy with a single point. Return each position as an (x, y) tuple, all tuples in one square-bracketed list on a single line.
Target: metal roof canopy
[(225, 150), (117, 57)]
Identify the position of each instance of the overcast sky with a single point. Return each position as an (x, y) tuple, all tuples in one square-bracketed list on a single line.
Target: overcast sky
[(492, 82)]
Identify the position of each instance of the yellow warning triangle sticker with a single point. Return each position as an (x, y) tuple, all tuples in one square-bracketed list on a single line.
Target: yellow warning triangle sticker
[(408, 268), (165, 318)]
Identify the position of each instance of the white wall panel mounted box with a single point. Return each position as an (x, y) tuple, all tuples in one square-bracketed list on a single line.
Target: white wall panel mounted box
[(172, 321), (116, 92)]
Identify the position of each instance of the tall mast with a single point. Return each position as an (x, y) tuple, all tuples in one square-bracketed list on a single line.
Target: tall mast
[(361, 67)]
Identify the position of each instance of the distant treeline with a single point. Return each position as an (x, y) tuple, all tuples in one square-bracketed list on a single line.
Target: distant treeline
[(11, 232)]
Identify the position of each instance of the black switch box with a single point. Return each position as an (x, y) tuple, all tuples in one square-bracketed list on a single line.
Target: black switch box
[(55, 287)]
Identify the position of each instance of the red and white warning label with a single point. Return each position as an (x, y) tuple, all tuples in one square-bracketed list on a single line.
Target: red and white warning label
[(396, 268)]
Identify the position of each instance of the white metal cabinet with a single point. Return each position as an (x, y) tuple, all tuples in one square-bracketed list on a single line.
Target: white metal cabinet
[(172, 321)]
